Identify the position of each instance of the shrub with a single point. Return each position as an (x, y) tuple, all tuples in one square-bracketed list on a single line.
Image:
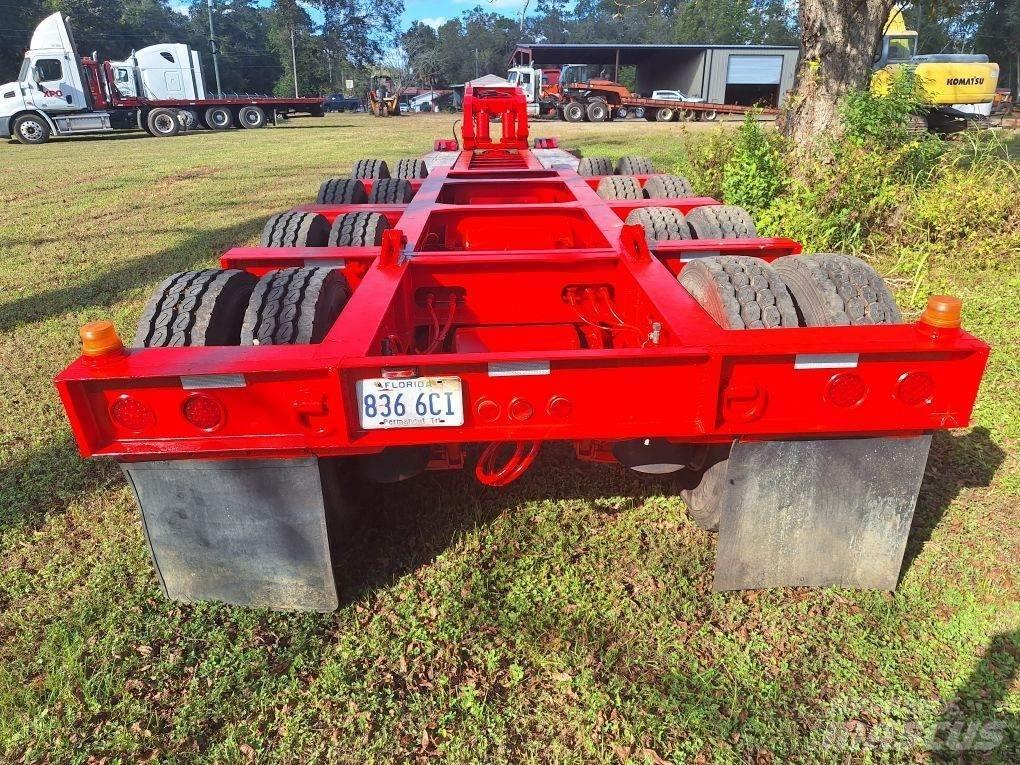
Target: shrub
[(754, 175)]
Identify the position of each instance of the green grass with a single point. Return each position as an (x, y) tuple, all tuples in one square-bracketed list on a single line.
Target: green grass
[(567, 618)]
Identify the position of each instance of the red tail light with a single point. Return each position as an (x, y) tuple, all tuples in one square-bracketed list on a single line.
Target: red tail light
[(204, 412), (132, 414)]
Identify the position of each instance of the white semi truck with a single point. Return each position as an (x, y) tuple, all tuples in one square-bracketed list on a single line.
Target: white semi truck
[(159, 89)]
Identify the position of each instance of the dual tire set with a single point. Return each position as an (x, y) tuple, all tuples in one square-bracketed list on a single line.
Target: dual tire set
[(290, 306)]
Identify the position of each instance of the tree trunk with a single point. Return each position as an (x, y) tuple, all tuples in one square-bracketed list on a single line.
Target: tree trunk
[(840, 39)]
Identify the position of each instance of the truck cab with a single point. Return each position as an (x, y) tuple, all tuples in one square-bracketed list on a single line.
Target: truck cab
[(163, 72)]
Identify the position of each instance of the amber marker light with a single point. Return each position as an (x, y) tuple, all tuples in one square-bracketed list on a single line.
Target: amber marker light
[(100, 338), (943, 312)]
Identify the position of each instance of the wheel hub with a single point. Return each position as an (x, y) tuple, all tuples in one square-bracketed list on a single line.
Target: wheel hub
[(31, 130)]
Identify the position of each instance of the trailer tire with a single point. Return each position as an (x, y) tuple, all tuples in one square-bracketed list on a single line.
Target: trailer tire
[(590, 166), (295, 229), (370, 168), (194, 308), (667, 187), (391, 191), (833, 289), (709, 116), (251, 117), (359, 229), (619, 187), (664, 114), (30, 129), (163, 123), (639, 112), (218, 118), (342, 191), (704, 501), (634, 166), (740, 292), (597, 110), (660, 223), (411, 168), (574, 112), (721, 222), (294, 306)]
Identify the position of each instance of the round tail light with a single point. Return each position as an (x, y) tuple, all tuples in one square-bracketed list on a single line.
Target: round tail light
[(846, 389), (132, 414), (915, 388), (204, 412)]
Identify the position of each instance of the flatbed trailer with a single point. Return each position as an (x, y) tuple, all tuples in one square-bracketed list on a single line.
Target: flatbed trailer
[(490, 299)]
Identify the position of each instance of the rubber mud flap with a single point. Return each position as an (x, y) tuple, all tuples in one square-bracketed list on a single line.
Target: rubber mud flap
[(244, 532), (818, 513)]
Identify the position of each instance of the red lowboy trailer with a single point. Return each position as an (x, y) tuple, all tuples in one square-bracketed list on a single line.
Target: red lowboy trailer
[(491, 298)]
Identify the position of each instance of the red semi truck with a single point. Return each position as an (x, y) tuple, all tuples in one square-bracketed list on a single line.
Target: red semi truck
[(59, 93), (466, 308)]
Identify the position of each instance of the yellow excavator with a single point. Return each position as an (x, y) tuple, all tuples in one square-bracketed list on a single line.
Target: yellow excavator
[(382, 96), (959, 88)]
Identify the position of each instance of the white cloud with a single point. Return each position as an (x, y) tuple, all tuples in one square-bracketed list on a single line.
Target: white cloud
[(180, 7), (433, 21)]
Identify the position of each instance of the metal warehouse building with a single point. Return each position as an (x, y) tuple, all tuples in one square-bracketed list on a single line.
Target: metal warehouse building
[(732, 74)]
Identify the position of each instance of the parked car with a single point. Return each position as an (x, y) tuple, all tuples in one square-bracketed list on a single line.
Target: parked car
[(338, 102), (676, 95)]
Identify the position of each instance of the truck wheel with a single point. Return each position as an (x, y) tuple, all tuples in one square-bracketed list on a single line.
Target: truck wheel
[(218, 118), (660, 223), (709, 116), (634, 166), (294, 306), (589, 166), (704, 501), (831, 289), (739, 292), (296, 229), (597, 110), (665, 114), (574, 112), (196, 308), (360, 229), (251, 117), (391, 191), (411, 168), (342, 191), (370, 168), (639, 113), (163, 123), (619, 187), (621, 112), (30, 129), (667, 187), (721, 222)]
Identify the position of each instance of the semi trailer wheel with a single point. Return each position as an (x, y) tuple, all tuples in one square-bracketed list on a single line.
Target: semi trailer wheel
[(411, 168), (639, 112), (390, 191), (831, 289), (740, 292), (709, 116), (619, 187), (634, 166), (597, 110), (294, 306), (196, 308), (660, 223), (30, 129), (574, 112), (163, 123), (589, 166), (359, 229), (667, 187), (664, 114), (341, 191), (251, 117), (721, 222), (704, 501), (295, 229), (218, 118), (370, 168)]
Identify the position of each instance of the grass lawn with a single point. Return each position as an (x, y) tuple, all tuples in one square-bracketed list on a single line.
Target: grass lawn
[(567, 618)]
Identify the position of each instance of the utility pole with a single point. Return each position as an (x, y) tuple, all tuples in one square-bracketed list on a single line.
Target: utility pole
[(215, 52), (476, 63), (293, 60)]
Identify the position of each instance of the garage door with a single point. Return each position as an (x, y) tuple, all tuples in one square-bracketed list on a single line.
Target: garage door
[(754, 70)]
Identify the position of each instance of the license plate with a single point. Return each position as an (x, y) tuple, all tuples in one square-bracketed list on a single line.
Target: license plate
[(418, 402)]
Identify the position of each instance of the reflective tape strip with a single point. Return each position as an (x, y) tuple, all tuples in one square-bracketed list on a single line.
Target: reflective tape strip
[(518, 368), (202, 382), (326, 262), (825, 361)]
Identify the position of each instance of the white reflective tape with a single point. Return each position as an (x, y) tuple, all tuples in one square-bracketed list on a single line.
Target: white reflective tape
[(518, 368), (203, 382), (825, 361), (325, 262)]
